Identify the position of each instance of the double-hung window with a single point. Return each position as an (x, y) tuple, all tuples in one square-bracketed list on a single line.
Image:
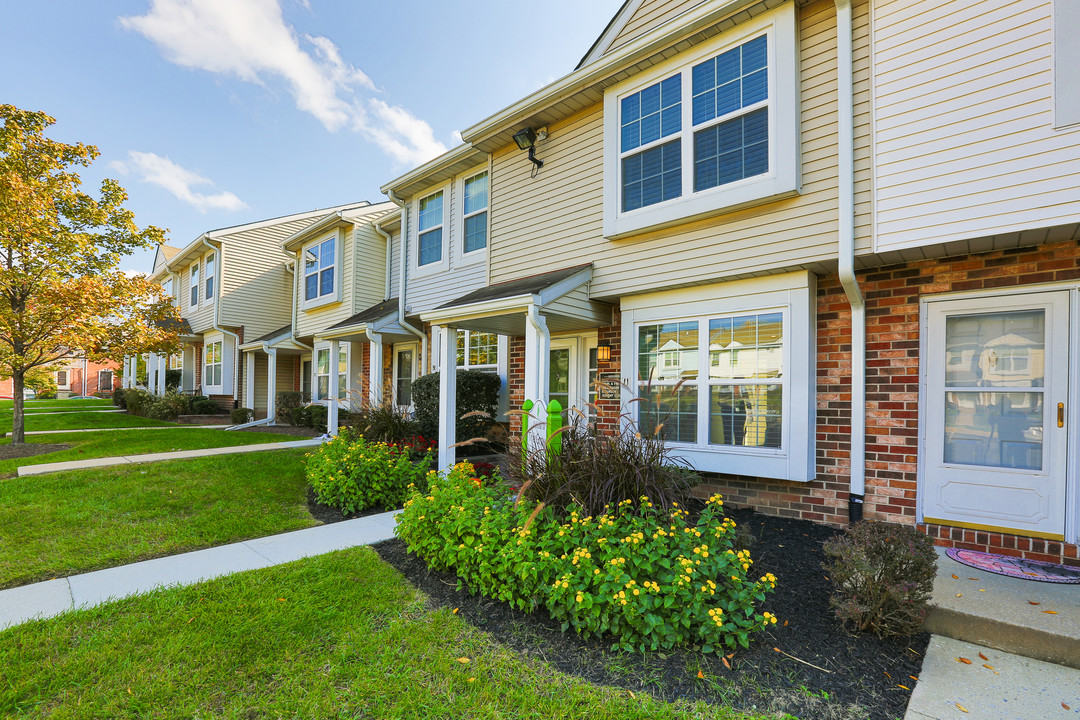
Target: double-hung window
[(712, 129), (343, 372), (211, 276), (194, 284), (62, 379), (478, 351), (322, 374), (320, 264), (429, 241), (212, 371), (474, 213)]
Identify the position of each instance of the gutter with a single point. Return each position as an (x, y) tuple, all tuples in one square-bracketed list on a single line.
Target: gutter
[(846, 246), (404, 259), (220, 252)]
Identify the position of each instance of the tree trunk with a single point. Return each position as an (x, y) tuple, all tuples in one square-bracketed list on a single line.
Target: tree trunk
[(18, 419)]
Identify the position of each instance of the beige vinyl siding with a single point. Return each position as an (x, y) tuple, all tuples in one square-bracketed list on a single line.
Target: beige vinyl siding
[(261, 367), (369, 268), (200, 317), (650, 15), (256, 287), (395, 264), (963, 128), (430, 291), (286, 372), (556, 219)]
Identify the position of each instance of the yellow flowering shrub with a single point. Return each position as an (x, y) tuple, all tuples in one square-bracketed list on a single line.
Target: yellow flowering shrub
[(352, 474), (652, 579)]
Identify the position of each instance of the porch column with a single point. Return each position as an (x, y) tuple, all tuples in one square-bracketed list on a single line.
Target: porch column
[(271, 384), (332, 407), (447, 397), (249, 373), (375, 354), (127, 372), (537, 357), (151, 372), (162, 366)]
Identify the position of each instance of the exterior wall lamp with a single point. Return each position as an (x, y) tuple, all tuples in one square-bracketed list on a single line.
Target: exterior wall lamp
[(603, 352), (526, 140)]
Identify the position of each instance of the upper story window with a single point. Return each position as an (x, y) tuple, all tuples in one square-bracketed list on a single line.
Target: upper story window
[(211, 275), (429, 244), (712, 129), (62, 379), (195, 283), (477, 350), (167, 288), (475, 213), (320, 262)]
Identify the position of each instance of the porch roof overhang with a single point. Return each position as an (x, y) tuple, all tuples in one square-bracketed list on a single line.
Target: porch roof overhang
[(381, 319), (561, 296), (280, 340)]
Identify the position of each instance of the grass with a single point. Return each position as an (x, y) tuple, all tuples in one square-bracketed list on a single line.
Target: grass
[(132, 442), (96, 403), (55, 420), (67, 523), (340, 635)]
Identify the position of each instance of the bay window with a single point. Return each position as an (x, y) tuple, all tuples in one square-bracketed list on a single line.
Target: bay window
[(712, 129)]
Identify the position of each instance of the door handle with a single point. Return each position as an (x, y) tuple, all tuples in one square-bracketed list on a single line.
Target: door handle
[(1061, 414)]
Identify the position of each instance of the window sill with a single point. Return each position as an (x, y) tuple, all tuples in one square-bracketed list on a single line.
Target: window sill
[(763, 463), (319, 303), (430, 269)]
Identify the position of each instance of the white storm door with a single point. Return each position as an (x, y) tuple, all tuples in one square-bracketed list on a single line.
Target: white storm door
[(563, 375), (995, 413)]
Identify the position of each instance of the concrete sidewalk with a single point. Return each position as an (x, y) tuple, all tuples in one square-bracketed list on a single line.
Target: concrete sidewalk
[(109, 429), (52, 597), (157, 457), (70, 412)]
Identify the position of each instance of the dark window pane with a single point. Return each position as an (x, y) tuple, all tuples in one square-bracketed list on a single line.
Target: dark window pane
[(326, 282), (430, 249), (476, 232), (311, 287), (732, 150)]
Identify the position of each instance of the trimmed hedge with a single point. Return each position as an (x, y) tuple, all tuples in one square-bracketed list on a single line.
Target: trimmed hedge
[(477, 391)]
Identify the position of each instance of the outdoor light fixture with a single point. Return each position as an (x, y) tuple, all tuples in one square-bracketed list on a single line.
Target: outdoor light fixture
[(603, 352), (526, 140)]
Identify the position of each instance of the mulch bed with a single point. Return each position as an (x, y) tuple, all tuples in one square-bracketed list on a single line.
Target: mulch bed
[(854, 677), (9, 452)]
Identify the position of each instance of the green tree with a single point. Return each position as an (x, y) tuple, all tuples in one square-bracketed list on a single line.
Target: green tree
[(60, 250)]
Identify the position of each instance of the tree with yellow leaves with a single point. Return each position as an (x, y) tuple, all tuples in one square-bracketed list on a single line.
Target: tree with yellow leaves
[(61, 288)]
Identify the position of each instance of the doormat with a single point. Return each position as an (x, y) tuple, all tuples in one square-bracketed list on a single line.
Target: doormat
[(1016, 567)]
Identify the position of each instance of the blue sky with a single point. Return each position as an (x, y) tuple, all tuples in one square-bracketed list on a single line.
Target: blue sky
[(214, 113)]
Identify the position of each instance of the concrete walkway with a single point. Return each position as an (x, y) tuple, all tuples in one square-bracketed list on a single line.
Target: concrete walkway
[(70, 412), (52, 597), (152, 427), (157, 457), (1029, 633)]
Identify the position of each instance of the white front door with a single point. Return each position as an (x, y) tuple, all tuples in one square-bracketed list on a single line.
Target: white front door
[(995, 413)]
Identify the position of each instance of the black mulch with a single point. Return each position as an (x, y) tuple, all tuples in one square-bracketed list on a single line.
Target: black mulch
[(9, 452), (854, 677)]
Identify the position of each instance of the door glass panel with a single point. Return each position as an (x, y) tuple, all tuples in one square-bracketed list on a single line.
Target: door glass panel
[(999, 429), (305, 379), (995, 349), (404, 377), (559, 378)]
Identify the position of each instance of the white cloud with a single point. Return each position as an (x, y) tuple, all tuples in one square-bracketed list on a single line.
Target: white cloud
[(250, 40), (163, 172)]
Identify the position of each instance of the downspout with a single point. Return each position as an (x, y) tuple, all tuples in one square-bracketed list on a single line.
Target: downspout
[(846, 186), (220, 252), (403, 261)]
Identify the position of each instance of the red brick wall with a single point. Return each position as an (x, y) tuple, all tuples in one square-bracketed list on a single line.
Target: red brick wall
[(515, 381), (608, 410), (892, 386)]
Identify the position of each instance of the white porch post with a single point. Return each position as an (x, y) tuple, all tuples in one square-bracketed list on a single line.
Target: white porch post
[(127, 372), (447, 397), (271, 384), (162, 366), (537, 357), (332, 392), (375, 354), (151, 372), (249, 375)]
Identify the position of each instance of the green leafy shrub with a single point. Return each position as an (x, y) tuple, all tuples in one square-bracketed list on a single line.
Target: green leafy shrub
[(160, 410), (138, 401), (300, 416), (319, 416), (286, 402), (591, 471), (352, 474), (173, 378), (239, 416), (118, 398), (651, 578), (883, 575), (205, 406), (477, 392)]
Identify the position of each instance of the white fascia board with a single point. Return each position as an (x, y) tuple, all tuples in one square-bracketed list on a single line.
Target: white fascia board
[(564, 286), (500, 306), (449, 157), (649, 44)]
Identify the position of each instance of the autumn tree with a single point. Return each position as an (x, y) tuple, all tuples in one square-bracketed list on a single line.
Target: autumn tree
[(61, 289)]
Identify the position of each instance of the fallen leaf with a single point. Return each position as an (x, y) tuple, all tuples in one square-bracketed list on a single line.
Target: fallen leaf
[(913, 678), (963, 660), (785, 623), (464, 660), (1026, 572), (903, 686), (730, 655), (1032, 602), (189, 620), (1066, 706), (726, 663), (887, 675), (955, 577), (472, 679), (983, 657), (962, 708), (700, 675), (959, 594), (1050, 612), (982, 589), (973, 578), (776, 649), (631, 693), (129, 691), (455, 610), (912, 651), (988, 667), (281, 599)]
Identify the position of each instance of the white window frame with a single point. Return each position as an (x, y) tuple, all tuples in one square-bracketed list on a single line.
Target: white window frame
[(210, 388), (66, 385), (792, 294), (334, 373), (167, 288), (398, 349), (479, 255), (315, 374), (331, 297), (414, 233), (467, 365), (783, 177), (193, 284), (176, 361), (209, 280)]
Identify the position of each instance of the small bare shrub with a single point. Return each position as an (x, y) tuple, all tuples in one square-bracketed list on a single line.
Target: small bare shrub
[(883, 575)]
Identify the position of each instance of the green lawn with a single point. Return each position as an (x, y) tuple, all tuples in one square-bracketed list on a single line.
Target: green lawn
[(67, 523), (71, 404), (340, 635), (134, 442), (78, 421)]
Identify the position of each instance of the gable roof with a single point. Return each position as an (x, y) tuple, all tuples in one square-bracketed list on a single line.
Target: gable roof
[(531, 285), (273, 334), (635, 18), (370, 315)]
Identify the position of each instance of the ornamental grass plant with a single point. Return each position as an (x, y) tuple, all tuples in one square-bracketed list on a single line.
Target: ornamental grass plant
[(648, 577)]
